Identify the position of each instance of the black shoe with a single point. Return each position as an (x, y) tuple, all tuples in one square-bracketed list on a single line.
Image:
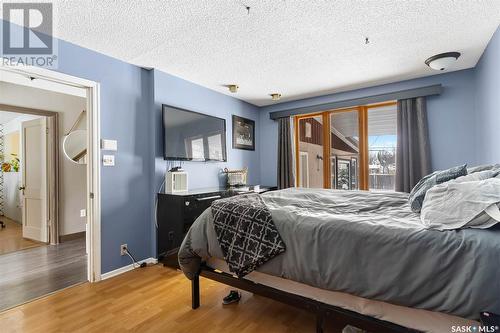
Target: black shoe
[(233, 297)]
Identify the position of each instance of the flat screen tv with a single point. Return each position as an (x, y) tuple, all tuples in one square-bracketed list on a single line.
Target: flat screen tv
[(193, 136)]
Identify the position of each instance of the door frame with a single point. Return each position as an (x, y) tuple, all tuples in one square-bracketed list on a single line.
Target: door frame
[(93, 165)]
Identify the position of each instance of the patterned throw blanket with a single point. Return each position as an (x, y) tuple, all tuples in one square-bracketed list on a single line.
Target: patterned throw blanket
[(246, 232)]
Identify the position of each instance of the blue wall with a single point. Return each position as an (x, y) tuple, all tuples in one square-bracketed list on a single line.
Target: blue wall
[(131, 99), (125, 214), (451, 119), (488, 102), (124, 113), (177, 92)]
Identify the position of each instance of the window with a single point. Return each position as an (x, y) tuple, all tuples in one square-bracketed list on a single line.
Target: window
[(358, 143), (382, 139)]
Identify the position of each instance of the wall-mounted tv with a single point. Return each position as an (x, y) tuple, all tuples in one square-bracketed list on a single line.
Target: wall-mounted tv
[(193, 136)]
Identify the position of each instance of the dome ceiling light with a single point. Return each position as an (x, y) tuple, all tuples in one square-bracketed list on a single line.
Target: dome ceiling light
[(442, 61)]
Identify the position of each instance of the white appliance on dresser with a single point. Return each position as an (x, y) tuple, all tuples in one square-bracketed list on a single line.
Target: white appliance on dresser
[(176, 181)]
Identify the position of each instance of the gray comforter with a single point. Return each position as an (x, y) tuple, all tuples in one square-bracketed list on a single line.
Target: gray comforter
[(371, 245)]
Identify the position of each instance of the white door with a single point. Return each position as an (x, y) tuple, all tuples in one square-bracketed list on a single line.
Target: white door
[(34, 179)]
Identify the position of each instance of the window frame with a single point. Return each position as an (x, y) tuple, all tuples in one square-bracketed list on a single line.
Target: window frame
[(363, 176)]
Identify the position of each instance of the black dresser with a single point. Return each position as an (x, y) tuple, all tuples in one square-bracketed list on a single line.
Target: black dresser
[(176, 213)]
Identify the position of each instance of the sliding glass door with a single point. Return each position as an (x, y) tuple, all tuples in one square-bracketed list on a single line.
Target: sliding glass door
[(344, 149), (347, 149)]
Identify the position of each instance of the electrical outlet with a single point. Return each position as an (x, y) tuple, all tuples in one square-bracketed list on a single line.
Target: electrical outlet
[(123, 249)]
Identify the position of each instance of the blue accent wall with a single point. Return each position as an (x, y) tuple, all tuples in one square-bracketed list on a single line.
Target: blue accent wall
[(171, 90), (488, 102), (451, 118), (125, 105)]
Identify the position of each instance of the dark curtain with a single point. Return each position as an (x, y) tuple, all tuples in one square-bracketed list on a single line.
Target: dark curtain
[(285, 156), (413, 148)]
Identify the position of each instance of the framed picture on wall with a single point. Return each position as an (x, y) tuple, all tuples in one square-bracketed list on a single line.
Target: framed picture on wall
[(243, 133)]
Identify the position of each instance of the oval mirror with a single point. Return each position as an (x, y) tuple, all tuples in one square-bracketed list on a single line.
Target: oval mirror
[(75, 146)]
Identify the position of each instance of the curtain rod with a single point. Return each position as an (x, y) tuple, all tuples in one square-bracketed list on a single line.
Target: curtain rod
[(402, 94)]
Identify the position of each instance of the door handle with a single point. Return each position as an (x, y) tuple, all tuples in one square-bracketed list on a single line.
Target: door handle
[(22, 188)]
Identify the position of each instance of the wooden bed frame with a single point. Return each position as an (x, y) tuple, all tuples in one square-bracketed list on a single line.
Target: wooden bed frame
[(323, 311)]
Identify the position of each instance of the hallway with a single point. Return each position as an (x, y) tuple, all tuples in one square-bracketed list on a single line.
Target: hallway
[(34, 272)]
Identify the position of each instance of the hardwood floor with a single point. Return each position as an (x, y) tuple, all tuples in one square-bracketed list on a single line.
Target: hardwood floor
[(35, 272), (153, 299), (11, 237)]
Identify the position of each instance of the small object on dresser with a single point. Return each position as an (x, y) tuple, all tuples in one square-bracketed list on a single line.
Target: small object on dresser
[(176, 181), (236, 177)]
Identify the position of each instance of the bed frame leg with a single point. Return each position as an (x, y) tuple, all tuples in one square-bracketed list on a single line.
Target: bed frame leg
[(320, 322), (195, 291)]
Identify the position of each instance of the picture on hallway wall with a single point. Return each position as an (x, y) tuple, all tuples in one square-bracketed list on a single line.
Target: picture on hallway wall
[(243, 133)]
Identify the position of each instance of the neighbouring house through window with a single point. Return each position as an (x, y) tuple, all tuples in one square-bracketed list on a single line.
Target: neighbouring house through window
[(359, 144)]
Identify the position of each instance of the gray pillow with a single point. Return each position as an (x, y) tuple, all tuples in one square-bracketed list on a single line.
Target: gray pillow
[(417, 194)]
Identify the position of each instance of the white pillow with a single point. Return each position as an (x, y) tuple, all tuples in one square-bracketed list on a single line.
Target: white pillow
[(480, 175), (466, 204)]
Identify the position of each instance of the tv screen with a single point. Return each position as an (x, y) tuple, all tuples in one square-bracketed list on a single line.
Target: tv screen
[(193, 136)]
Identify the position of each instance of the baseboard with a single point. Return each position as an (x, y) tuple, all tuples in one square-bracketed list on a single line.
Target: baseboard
[(66, 238), (127, 268)]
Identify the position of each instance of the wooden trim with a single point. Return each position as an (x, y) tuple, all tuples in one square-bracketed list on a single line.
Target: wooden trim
[(53, 176), (379, 105), (297, 150), (77, 235), (19, 109), (326, 150), (363, 148), (322, 310)]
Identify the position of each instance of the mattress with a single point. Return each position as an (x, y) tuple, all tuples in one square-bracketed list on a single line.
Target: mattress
[(422, 320), (371, 245)]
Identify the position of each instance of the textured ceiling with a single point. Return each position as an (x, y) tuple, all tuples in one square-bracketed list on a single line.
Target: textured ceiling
[(297, 48)]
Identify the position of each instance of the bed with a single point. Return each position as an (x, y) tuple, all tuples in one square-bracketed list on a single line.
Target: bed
[(363, 257)]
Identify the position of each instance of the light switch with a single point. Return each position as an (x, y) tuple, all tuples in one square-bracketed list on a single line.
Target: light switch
[(111, 145), (83, 212), (108, 160)]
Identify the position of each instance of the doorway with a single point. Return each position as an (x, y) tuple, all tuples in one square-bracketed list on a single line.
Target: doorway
[(61, 236), (23, 186)]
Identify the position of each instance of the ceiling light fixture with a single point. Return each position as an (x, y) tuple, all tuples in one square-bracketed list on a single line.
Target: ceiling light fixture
[(442, 61), (275, 96), (233, 88)]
